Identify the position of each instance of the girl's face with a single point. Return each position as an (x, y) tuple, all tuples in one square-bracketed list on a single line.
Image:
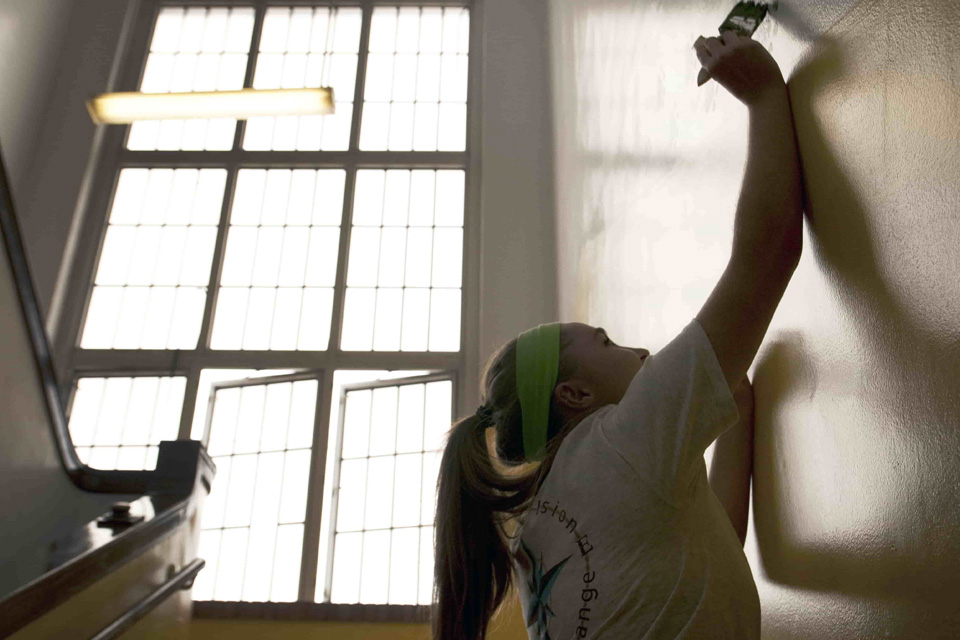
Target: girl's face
[(604, 369)]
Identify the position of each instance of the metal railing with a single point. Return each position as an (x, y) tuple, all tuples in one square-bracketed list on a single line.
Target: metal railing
[(180, 580)]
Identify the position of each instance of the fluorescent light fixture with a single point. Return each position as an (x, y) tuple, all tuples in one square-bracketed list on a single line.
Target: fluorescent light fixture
[(122, 108)]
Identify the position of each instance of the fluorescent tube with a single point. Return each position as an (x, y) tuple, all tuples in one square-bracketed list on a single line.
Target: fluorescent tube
[(122, 108)]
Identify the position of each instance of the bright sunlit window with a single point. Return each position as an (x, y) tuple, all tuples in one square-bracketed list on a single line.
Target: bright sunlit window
[(268, 285)]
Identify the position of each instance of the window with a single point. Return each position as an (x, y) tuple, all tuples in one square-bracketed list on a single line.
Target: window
[(285, 286), (389, 440)]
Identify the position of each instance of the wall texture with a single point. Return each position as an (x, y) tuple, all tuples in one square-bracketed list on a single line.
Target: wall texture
[(855, 520)]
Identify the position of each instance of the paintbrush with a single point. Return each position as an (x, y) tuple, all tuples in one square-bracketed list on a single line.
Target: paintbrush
[(744, 19)]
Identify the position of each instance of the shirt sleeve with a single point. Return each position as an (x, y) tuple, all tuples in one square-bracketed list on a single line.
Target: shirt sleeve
[(677, 404)]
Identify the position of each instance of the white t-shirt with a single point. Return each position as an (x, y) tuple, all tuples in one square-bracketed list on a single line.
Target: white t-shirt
[(625, 538)]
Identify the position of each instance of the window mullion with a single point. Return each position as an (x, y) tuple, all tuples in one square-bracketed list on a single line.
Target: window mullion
[(310, 555), (203, 341), (362, 54), (189, 402), (260, 9)]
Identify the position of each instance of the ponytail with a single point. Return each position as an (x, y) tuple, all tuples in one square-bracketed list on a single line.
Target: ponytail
[(473, 565), (473, 569)]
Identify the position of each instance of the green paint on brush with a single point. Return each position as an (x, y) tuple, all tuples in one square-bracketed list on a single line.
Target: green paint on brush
[(746, 17)]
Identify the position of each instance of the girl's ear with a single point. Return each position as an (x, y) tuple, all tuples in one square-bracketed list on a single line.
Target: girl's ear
[(574, 395)]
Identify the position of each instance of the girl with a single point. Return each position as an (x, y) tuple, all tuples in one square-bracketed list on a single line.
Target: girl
[(616, 533)]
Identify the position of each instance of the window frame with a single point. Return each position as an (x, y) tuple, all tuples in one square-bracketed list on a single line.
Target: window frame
[(338, 448), (109, 155)]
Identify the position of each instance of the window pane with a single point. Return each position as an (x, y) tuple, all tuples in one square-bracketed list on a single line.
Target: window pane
[(260, 490), (450, 191), (364, 252), (447, 258), (428, 496), (133, 312), (406, 493), (229, 581), (293, 501), (383, 424), (210, 376), (280, 262), (303, 402), (293, 264), (352, 492), (229, 318), (356, 425), (315, 319), (419, 254), (437, 417), (286, 564), (257, 329), (240, 492), (397, 254), (415, 91), (250, 419), (277, 411), (410, 418), (329, 523), (379, 502), (307, 47), (258, 569), (358, 318), (266, 264), (102, 315), (346, 568), (154, 267), (416, 304), (194, 49), (445, 320), (425, 581), (374, 567), (266, 499), (322, 256), (386, 336), (404, 554), (120, 416), (286, 319), (386, 496)]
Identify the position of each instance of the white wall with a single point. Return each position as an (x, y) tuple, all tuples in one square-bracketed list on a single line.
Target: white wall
[(857, 432), (30, 33), (518, 234)]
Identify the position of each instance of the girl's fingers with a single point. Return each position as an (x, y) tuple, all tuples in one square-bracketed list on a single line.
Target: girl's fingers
[(729, 37), (714, 46), (703, 55)]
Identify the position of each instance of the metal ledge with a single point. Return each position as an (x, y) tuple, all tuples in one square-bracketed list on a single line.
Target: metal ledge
[(312, 611)]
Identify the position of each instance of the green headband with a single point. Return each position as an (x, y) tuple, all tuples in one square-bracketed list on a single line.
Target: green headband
[(538, 359)]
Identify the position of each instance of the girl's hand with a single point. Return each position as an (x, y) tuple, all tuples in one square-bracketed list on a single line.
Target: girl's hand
[(741, 65)]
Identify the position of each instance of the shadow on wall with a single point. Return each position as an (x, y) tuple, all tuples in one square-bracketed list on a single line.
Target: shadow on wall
[(841, 254)]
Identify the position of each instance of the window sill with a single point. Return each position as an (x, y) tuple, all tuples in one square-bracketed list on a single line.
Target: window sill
[(316, 611)]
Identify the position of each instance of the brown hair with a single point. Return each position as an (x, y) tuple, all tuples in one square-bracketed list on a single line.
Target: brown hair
[(473, 569)]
